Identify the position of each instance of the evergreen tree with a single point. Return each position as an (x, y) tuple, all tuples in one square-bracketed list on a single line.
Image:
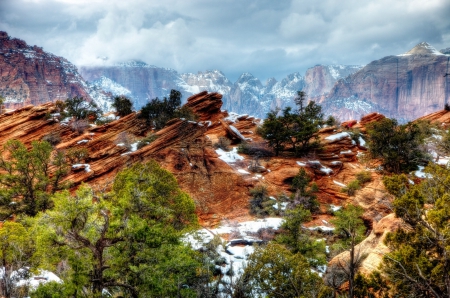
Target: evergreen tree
[(127, 242), (26, 182), (274, 271), (399, 147), (304, 191), (123, 105), (158, 112), (79, 108), (297, 129), (419, 262), (350, 228)]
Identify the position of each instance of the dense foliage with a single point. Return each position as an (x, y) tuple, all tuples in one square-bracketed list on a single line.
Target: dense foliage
[(294, 130), (157, 112), (79, 108), (399, 147), (419, 262), (127, 242), (25, 180), (123, 105)]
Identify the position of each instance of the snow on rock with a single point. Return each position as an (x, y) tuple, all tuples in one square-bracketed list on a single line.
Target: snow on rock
[(346, 152), (321, 228), (339, 183), (248, 227), (337, 137), (243, 172), (301, 164), (134, 146), (232, 117), (82, 141), (362, 142), (238, 133), (229, 157), (326, 170), (42, 277), (87, 167), (335, 208), (421, 174)]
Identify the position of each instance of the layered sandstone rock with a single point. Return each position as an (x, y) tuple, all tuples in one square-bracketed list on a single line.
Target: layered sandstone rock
[(371, 250)]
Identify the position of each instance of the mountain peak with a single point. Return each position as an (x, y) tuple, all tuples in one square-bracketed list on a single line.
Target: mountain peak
[(423, 48)]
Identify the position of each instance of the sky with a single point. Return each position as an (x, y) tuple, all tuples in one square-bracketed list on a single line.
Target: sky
[(267, 38)]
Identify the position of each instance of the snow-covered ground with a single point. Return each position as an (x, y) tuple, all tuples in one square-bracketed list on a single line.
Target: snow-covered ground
[(229, 157), (235, 251)]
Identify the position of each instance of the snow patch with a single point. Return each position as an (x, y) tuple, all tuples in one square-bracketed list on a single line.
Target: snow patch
[(229, 157)]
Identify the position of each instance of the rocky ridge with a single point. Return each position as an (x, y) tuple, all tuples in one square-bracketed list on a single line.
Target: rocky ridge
[(185, 149), (29, 75)]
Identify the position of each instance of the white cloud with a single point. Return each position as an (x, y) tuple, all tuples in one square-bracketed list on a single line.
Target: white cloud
[(264, 37)]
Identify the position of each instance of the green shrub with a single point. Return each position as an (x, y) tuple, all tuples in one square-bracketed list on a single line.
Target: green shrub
[(147, 140), (223, 143), (123, 105), (77, 155), (364, 177), (261, 204), (351, 188), (52, 138)]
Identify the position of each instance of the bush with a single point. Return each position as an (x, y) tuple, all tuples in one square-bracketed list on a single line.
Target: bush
[(255, 149), (185, 113), (332, 121), (123, 105), (223, 144), (260, 203), (147, 140), (157, 112), (79, 126), (364, 177), (77, 155), (399, 147), (52, 138), (351, 188), (79, 108)]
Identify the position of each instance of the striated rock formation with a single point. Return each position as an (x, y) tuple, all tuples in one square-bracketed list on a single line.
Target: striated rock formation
[(30, 75), (405, 87), (182, 147)]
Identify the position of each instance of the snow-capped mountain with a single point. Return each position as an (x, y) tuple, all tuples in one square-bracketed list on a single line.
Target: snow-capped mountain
[(247, 95), (405, 86)]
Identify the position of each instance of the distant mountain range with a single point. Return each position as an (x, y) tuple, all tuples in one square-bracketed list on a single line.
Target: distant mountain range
[(404, 86), (247, 95)]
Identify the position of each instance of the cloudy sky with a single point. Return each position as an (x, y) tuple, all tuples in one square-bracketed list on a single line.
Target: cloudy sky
[(268, 38)]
